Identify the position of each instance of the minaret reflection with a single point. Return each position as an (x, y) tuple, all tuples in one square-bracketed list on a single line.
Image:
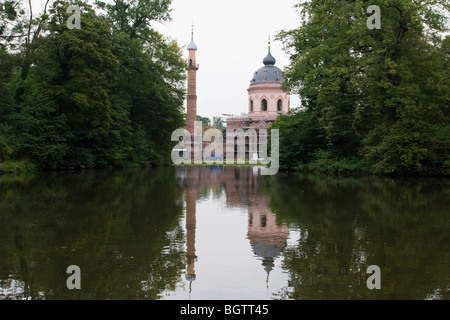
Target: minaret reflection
[(191, 195), (188, 178), (192, 179)]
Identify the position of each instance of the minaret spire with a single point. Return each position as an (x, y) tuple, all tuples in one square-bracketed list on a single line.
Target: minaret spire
[(192, 45)]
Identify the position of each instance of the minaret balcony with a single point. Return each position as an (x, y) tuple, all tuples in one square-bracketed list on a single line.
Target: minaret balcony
[(193, 67)]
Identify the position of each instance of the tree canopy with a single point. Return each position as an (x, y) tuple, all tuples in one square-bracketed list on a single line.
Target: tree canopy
[(109, 93), (376, 98)]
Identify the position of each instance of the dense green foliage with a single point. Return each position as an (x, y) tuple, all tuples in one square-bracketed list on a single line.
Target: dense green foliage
[(107, 94), (206, 122), (373, 100)]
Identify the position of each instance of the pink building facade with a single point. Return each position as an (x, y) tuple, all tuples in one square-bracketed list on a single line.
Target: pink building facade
[(266, 99)]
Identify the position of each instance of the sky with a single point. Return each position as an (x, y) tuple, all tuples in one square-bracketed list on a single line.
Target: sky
[(232, 40)]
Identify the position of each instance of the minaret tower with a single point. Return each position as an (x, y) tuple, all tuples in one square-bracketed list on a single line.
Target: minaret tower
[(192, 86)]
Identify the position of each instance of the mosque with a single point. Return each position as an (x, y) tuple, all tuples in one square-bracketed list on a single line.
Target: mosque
[(266, 101), (266, 98)]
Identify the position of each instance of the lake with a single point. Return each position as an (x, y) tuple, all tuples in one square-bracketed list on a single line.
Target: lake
[(223, 233)]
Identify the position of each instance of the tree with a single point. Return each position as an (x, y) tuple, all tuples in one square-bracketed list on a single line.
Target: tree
[(134, 17), (406, 97), (374, 92), (151, 78), (108, 94), (9, 12), (324, 71), (64, 115), (7, 62), (206, 122), (41, 132), (217, 122), (25, 35), (301, 136)]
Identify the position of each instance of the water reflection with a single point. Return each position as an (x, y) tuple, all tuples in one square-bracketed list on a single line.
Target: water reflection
[(240, 188), (222, 233), (120, 227), (267, 237), (347, 224)]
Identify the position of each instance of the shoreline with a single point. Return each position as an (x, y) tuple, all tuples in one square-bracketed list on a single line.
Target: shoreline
[(25, 167)]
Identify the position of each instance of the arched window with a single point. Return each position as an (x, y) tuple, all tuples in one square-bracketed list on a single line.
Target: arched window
[(263, 221), (264, 105), (251, 105), (280, 105), (190, 62)]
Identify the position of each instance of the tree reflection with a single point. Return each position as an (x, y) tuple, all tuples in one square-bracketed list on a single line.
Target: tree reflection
[(120, 227), (127, 232), (347, 224)]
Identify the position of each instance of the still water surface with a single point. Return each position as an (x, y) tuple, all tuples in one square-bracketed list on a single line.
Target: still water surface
[(222, 233)]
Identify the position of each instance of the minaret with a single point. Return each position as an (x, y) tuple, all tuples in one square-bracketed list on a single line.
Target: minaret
[(192, 86)]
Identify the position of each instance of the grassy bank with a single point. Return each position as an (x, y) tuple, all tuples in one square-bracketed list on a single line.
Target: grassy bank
[(336, 167), (16, 167), (24, 166), (355, 167)]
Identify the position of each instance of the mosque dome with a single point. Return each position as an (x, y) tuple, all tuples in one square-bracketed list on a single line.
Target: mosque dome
[(268, 73)]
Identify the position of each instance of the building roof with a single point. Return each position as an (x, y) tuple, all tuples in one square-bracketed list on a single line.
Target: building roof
[(268, 73)]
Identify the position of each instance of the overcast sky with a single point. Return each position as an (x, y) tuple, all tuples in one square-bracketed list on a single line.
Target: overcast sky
[(231, 37)]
